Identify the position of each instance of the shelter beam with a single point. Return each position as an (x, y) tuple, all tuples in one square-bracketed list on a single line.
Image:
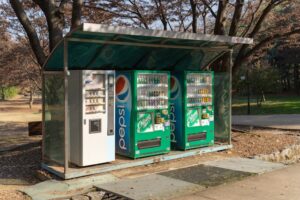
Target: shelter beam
[(220, 48)]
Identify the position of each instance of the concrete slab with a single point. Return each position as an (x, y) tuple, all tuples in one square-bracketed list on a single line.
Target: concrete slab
[(51, 189), (150, 187), (44, 190), (281, 184), (246, 165), (283, 121)]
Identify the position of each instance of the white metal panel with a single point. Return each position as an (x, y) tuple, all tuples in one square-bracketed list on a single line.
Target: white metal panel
[(91, 144)]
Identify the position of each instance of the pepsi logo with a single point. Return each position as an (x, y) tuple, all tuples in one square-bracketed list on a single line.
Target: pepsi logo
[(122, 88), (175, 87), (88, 81)]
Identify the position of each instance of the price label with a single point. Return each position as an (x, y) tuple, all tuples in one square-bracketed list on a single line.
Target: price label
[(205, 122)]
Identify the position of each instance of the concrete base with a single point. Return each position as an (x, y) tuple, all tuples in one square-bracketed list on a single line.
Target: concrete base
[(123, 162)]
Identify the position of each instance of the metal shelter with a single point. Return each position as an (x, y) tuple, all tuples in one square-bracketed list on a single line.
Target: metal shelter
[(97, 46)]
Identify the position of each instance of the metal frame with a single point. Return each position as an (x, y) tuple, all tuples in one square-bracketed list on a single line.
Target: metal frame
[(230, 94), (43, 108), (43, 117), (67, 173), (67, 128), (221, 48)]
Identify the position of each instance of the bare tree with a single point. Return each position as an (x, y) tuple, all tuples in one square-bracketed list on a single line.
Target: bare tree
[(222, 17)]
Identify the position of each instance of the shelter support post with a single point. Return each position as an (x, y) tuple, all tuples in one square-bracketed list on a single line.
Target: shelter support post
[(43, 117), (230, 94), (66, 117)]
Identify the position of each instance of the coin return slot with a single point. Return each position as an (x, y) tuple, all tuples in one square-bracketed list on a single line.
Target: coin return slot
[(197, 136), (149, 143)]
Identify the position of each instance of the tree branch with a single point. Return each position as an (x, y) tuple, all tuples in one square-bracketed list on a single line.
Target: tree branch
[(161, 13), (262, 43), (270, 39), (209, 8), (30, 31), (263, 16), (139, 14), (252, 19)]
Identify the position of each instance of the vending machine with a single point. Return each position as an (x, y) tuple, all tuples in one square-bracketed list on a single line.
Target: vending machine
[(91, 111), (142, 113), (192, 110)]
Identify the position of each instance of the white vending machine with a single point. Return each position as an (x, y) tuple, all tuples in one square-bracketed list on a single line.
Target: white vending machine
[(91, 112)]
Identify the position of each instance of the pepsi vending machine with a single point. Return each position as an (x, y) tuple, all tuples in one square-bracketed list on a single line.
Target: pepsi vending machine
[(142, 113), (192, 110)]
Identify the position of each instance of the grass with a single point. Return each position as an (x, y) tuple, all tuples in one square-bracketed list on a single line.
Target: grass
[(272, 105)]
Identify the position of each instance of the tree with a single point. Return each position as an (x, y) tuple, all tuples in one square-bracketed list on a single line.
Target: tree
[(255, 19)]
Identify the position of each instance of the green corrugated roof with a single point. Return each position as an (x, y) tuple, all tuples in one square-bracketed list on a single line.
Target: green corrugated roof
[(97, 46)]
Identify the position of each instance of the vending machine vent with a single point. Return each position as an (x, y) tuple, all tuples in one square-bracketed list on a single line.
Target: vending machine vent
[(149, 143), (197, 136)]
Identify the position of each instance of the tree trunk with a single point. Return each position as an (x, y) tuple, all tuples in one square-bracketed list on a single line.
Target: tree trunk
[(288, 80), (30, 99), (2, 93), (296, 78), (194, 15), (76, 13), (220, 20)]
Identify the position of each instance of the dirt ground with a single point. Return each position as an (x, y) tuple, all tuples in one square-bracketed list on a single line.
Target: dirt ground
[(19, 166), (17, 110), (19, 154), (263, 141)]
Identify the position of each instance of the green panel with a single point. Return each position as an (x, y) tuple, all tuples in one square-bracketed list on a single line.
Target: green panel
[(56, 58), (118, 57), (93, 55), (222, 106), (54, 118)]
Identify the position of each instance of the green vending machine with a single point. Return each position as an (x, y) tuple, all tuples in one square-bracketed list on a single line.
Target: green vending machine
[(191, 109), (142, 113)]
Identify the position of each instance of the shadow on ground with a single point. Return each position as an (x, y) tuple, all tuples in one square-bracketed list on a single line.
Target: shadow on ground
[(13, 128), (19, 166)]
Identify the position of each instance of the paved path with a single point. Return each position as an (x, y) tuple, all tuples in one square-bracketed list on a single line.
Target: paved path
[(165, 185), (281, 184), (186, 181), (291, 121)]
